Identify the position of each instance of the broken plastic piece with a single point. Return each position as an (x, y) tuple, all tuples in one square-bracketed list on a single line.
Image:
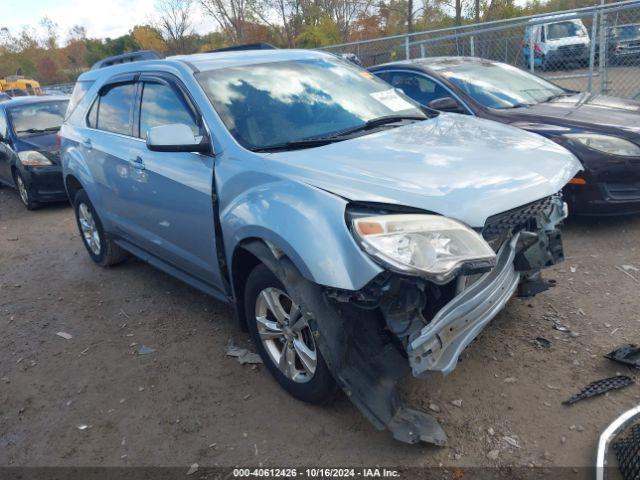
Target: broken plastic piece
[(599, 387), (242, 354), (412, 426), (65, 335), (543, 342), (144, 350), (628, 454), (626, 354)]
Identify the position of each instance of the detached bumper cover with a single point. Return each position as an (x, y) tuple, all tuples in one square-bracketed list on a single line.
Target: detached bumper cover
[(438, 345)]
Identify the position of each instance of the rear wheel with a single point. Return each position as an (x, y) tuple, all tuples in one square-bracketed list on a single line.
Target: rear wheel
[(102, 249), (24, 191), (286, 339)]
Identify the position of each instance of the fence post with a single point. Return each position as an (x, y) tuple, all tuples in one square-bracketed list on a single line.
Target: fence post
[(531, 43), (592, 49), (422, 52), (406, 47), (602, 57), (472, 46)]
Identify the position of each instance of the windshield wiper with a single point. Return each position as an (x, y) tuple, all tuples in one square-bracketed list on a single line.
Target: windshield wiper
[(556, 95), (338, 136), (39, 130)]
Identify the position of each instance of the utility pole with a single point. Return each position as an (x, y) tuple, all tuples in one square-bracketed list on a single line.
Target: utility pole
[(477, 11)]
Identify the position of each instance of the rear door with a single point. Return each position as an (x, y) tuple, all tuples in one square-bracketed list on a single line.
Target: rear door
[(110, 147), (172, 191)]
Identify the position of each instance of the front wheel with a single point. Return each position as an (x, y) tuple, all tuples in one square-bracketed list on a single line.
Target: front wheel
[(286, 339), (24, 191), (102, 249)]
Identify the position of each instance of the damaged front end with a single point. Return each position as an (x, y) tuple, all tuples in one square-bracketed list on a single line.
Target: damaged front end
[(406, 323), (433, 323)]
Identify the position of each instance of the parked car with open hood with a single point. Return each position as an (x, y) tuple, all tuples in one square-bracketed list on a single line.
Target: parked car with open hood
[(358, 237), (603, 132), (29, 151)]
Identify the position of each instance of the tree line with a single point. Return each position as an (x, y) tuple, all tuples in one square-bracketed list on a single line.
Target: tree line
[(45, 53)]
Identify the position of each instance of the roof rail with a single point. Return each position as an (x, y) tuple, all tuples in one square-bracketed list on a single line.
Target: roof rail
[(128, 57), (246, 46)]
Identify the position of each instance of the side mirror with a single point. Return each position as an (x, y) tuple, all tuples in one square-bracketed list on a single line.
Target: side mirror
[(176, 137), (446, 104)]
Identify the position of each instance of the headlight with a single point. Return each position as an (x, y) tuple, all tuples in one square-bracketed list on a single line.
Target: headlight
[(33, 158), (428, 245), (606, 144)]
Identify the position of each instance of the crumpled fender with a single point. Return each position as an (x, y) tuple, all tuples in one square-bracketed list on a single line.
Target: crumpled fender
[(364, 364), (306, 223)]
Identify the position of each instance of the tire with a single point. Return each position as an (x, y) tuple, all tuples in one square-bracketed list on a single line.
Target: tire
[(101, 248), (312, 385), (25, 193)]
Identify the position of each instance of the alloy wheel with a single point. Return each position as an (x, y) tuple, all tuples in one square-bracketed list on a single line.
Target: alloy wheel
[(88, 228), (22, 190), (286, 335)]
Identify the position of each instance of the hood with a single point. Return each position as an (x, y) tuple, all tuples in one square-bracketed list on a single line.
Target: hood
[(454, 165), (584, 110), (45, 144)]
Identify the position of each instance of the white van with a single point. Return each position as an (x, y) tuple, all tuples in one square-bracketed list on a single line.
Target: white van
[(556, 44)]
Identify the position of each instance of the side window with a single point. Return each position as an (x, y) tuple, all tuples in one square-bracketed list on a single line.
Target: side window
[(386, 76), (92, 118), (161, 105), (418, 87), (114, 109), (3, 125)]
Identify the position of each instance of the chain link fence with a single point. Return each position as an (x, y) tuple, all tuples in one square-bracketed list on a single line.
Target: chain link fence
[(594, 49)]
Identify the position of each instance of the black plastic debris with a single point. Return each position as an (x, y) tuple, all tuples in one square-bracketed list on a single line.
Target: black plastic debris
[(627, 452), (626, 354), (542, 342), (599, 387)]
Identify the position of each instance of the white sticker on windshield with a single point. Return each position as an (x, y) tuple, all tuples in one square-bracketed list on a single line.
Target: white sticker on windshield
[(391, 100)]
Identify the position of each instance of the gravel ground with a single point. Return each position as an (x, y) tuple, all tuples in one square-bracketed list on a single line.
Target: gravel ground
[(187, 402)]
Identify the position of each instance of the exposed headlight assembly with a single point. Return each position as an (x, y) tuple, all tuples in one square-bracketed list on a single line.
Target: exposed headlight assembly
[(606, 144), (32, 158), (431, 246)]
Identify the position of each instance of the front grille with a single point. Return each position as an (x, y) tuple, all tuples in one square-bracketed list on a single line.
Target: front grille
[(511, 221), (572, 49)]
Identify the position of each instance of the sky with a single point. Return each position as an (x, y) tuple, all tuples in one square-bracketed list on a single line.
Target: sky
[(106, 18)]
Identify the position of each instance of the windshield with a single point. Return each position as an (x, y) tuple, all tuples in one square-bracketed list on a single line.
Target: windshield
[(276, 103), (564, 30), (497, 85), (628, 31), (37, 118)]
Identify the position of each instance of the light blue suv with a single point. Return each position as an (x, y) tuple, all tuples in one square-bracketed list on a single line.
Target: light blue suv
[(359, 236)]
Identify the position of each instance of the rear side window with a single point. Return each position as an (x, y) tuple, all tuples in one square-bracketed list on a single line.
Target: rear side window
[(418, 87), (161, 105), (3, 125), (111, 112), (79, 91)]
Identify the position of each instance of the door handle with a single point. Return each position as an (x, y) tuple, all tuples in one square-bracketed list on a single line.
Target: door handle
[(86, 143), (137, 163)]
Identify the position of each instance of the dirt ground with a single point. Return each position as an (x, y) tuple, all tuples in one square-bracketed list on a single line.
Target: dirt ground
[(187, 402)]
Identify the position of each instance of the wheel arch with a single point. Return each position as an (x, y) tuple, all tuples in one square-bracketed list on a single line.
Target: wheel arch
[(72, 185), (248, 254)]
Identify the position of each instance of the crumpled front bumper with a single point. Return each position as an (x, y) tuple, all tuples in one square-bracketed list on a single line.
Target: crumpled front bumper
[(437, 346)]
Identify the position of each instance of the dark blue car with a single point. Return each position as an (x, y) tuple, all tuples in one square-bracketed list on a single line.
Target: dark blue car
[(29, 150)]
